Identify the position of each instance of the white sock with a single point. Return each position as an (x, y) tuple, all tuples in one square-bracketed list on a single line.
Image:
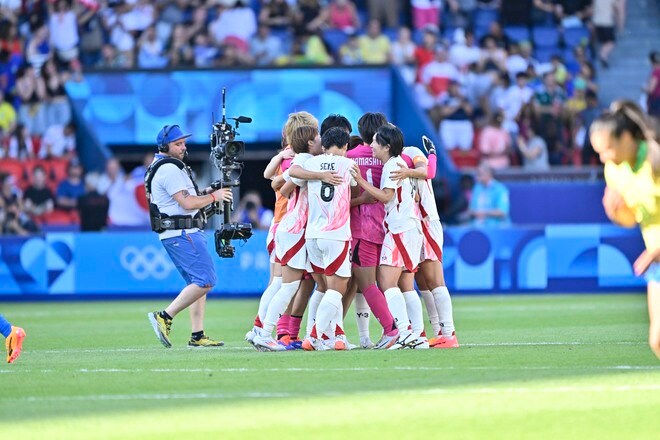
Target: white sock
[(337, 321), (445, 310), (397, 306), (431, 310), (267, 297), (312, 307), (278, 305), (330, 305), (415, 312), (362, 312)]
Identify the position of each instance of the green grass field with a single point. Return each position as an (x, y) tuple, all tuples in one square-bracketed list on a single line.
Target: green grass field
[(529, 367)]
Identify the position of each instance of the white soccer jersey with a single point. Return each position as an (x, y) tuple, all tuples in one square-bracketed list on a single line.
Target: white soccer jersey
[(329, 214), (400, 211), (295, 219), (427, 206)]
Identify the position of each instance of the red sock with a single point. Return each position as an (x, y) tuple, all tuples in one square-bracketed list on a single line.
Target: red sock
[(378, 305), (283, 326), (423, 335), (257, 322), (294, 326)]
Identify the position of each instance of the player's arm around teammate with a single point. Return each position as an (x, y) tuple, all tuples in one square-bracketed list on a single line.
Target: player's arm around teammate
[(626, 145), (403, 241)]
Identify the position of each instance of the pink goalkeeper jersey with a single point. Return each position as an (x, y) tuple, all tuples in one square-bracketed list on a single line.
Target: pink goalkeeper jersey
[(295, 219), (329, 206), (427, 206), (367, 219)]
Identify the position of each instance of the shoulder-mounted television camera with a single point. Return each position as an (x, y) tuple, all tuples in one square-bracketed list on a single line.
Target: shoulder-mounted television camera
[(225, 151)]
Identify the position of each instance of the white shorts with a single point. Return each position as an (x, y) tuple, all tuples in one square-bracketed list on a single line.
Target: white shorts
[(270, 241), (402, 250), (329, 257), (290, 249), (433, 240)]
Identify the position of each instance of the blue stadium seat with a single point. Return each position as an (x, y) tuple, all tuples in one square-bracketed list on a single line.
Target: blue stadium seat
[(484, 17), (418, 36), (543, 54), (480, 32), (517, 33), (576, 36), (545, 37), (448, 34), (335, 38), (391, 33)]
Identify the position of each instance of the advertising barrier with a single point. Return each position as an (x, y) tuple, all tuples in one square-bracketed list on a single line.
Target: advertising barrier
[(553, 259)]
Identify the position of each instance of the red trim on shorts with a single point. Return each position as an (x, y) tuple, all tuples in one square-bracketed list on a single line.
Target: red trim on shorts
[(315, 268), (335, 265), (423, 211), (399, 190), (293, 251), (407, 262), (271, 246), (432, 242)]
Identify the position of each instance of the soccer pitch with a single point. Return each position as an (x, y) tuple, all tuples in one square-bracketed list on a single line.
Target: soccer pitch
[(529, 367)]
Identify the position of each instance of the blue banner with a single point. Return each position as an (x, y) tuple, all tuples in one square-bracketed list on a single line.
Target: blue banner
[(130, 107), (585, 258)]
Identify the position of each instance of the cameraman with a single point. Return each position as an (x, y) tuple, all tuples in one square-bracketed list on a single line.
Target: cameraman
[(176, 211)]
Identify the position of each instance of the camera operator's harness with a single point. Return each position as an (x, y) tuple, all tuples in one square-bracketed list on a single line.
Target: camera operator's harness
[(161, 222)]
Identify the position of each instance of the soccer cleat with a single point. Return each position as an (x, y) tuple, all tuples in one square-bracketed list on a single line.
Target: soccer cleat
[(419, 343), (161, 327), (267, 343), (341, 343), (295, 345), (403, 341), (284, 340), (313, 344), (203, 342), (386, 342), (14, 344), (365, 342), (428, 144), (249, 336), (445, 342)]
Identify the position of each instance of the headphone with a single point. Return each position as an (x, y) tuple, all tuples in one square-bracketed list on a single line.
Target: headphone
[(164, 147)]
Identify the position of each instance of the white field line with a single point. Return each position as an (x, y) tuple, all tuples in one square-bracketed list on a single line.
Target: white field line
[(258, 395), (460, 305), (322, 370)]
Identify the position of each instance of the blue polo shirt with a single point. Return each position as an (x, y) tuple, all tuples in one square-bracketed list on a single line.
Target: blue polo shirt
[(493, 196)]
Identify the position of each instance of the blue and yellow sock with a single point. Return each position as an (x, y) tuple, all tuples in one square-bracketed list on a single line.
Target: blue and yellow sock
[(5, 327)]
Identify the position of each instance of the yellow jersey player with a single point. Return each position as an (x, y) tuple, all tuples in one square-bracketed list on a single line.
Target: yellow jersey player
[(626, 146)]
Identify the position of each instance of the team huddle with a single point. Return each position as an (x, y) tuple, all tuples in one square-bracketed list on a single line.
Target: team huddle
[(355, 221)]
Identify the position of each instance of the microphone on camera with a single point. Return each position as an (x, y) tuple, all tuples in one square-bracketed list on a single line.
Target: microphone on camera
[(242, 119)]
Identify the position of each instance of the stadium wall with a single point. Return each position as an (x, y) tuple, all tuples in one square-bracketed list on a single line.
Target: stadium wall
[(560, 258)]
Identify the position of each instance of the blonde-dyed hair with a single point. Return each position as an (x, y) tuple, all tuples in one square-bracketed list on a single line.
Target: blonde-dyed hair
[(627, 116), (296, 120), (301, 137)]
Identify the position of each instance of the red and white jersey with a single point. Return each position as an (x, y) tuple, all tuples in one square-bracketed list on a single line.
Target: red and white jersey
[(295, 219), (367, 219), (329, 206), (427, 207), (401, 211)]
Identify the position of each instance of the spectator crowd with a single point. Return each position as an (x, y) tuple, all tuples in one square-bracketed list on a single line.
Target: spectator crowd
[(506, 82)]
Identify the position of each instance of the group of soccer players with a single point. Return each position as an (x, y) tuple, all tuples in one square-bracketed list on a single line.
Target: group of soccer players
[(355, 220)]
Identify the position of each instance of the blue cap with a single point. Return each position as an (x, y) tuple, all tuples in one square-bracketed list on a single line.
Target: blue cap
[(170, 133)]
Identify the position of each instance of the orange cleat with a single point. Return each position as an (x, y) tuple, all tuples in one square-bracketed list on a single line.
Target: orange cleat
[(444, 341), (284, 340), (14, 344)]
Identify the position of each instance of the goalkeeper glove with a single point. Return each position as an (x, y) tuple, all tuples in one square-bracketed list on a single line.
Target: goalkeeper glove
[(429, 147)]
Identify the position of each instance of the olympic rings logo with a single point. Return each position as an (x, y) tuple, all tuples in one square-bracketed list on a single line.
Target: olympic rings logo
[(146, 262)]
